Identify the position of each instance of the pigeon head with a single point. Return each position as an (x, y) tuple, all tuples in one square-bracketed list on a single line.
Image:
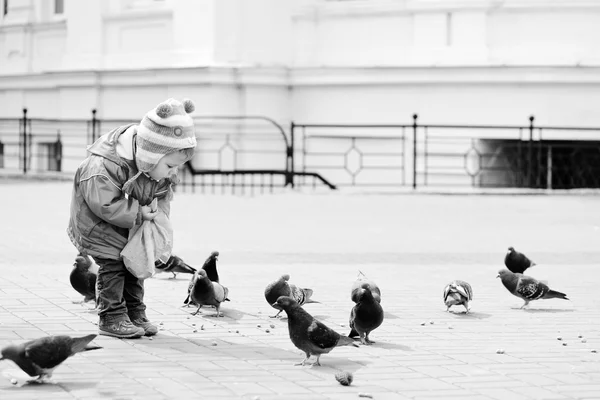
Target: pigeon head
[(9, 353), (365, 293), (511, 249), (284, 303), (509, 279), (285, 277), (202, 274)]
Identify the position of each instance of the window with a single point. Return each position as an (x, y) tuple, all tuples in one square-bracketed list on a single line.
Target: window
[(59, 6)]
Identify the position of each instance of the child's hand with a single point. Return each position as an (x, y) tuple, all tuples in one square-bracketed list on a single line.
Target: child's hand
[(148, 214)]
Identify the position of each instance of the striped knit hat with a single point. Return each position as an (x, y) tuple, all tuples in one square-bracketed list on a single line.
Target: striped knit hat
[(164, 130)]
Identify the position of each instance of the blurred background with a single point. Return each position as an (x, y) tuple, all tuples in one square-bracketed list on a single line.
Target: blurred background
[(370, 94)]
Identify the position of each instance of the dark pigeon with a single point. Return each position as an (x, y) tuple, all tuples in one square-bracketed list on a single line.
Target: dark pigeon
[(527, 288), (174, 265), (357, 285), (83, 277), (366, 315), (309, 335), (210, 266), (458, 292), (281, 287), (204, 292), (517, 262), (41, 356)]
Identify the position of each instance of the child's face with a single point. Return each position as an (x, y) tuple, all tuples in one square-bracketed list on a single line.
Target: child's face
[(167, 166)]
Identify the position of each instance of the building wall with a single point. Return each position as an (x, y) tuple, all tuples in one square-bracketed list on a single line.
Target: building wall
[(310, 61)]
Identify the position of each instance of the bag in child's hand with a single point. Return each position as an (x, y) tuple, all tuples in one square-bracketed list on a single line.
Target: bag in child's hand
[(151, 241)]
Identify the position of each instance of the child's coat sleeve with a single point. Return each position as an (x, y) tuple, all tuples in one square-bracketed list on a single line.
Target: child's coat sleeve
[(104, 197)]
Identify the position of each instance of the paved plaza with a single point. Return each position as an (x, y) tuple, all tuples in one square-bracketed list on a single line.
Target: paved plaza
[(410, 244)]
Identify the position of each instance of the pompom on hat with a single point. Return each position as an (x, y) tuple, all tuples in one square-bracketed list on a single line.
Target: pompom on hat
[(163, 130)]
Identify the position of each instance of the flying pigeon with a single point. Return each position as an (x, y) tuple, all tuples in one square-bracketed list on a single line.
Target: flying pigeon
[(517, 262), (309, 335), (527, 288), (281, 287), (83, 277), (207, 293), (366, 315), (457, 292), (357, 285), (41, 356), (174, 265), (210, 266)]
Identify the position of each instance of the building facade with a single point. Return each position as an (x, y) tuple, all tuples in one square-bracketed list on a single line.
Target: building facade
[(308, 61)]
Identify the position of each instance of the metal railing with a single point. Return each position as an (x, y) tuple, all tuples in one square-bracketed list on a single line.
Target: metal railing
[(251, 154)]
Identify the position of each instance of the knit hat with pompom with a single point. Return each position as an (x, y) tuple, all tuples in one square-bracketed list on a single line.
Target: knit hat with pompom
[(164, 130)]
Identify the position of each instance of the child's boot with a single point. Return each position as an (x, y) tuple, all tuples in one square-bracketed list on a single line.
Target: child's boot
[(122, 329), (142, 322)]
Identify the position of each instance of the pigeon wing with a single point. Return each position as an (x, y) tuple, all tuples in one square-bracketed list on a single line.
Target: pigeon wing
[(464, 289), (278, 288), (530, 288), (322, 336), (48, 352)]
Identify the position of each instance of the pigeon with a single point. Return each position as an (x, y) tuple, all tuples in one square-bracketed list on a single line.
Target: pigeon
[(517, 262), (458, 292), (366, 315), (210, 266), (174, 265), (41, 356), (83, 277), (357, 285), (281, 287), (207, 293), (309, 335), (527, 288)]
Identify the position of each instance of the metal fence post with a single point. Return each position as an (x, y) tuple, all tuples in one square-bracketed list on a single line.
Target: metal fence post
[(530, 152), (94, 120), (58, 151), (25, 141), (415, 116), (290, 155)]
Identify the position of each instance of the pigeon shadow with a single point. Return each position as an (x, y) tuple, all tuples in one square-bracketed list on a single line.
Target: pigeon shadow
[(332, 364), (228, 314), (390, 346), (388, 315), (546, 310), (470, 314), (35, 386)]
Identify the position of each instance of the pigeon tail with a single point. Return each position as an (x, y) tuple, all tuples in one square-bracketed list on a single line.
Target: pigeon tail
[(346, 341), (82, 344), (553, 294)]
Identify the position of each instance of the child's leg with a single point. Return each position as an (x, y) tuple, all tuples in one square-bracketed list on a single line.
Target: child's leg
[(133, 293), (114, 320)]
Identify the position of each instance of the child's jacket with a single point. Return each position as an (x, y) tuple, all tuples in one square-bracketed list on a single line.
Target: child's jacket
[(101, 214)]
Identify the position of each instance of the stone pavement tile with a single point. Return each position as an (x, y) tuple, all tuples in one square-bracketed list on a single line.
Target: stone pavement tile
[(534, 379), (570, 379), (495, 381), (435, 372), (541, 393), (280, 386), (503, 393), (470, 370)]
